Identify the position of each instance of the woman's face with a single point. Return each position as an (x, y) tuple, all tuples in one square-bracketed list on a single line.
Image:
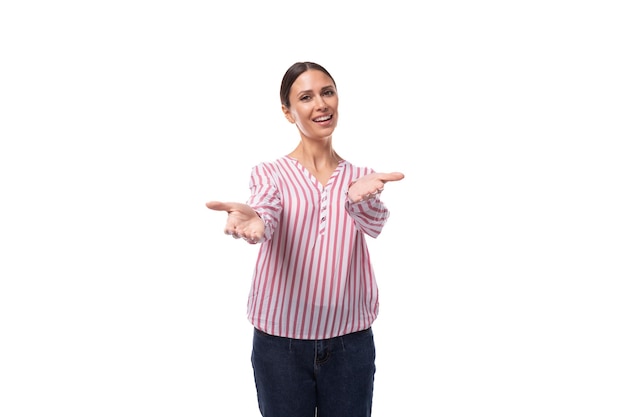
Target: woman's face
[(314, 104)]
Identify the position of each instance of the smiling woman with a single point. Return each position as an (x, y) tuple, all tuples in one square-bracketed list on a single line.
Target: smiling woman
[(314, 295), (500, 271)]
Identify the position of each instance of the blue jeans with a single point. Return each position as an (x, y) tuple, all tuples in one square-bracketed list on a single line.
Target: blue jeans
[(294, 378)]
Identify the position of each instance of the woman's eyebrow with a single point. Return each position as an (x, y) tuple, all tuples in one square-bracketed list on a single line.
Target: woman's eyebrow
[(321, 89)]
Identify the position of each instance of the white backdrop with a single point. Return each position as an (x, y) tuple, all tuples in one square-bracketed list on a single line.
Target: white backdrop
[(501, 268)]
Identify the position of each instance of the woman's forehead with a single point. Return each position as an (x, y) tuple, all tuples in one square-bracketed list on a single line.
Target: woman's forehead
[(312, 79)]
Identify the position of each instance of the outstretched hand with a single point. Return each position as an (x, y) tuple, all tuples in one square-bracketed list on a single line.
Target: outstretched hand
[(242, 222), (370, 185)]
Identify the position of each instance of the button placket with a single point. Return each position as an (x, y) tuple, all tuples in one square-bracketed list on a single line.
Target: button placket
[(323, 211)]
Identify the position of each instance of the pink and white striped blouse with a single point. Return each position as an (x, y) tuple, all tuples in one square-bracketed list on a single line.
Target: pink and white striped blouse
[(313, 278)]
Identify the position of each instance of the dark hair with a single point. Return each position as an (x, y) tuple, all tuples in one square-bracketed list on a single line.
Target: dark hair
[(293, 73)]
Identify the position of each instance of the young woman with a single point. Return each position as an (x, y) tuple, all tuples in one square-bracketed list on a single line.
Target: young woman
[(314, 294)]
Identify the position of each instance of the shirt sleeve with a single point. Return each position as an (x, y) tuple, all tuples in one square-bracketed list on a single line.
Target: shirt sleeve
[(265, 198), (369, 215)]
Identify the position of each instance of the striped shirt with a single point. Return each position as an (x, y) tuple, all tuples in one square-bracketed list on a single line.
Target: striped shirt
[(313, 278)]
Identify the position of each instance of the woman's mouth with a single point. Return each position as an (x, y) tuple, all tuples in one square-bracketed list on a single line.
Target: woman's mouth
[(323, 119)]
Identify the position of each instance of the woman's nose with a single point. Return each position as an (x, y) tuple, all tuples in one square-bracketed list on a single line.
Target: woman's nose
[(321, 103)]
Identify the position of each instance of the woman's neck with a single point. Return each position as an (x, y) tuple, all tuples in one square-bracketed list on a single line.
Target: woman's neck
[(319, 156)]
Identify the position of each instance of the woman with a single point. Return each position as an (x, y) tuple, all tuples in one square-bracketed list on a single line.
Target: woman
[(314, 294)]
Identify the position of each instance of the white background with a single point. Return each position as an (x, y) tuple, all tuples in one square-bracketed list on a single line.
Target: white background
[(501, 269)]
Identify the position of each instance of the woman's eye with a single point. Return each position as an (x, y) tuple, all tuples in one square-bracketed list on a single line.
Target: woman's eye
[(329, 92), (305, 98)]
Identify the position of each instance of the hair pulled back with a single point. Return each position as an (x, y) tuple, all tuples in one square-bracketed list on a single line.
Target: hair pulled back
[(293, 73)]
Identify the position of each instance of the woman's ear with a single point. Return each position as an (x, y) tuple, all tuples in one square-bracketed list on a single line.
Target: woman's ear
[(287, 114)]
